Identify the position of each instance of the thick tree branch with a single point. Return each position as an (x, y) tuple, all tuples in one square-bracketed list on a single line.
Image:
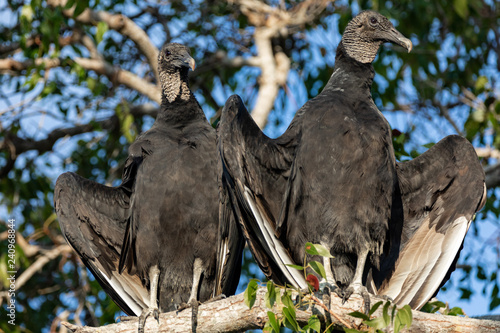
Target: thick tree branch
[(270, 22), (117, 22), (100, 66), (232, 315), (40, 262)]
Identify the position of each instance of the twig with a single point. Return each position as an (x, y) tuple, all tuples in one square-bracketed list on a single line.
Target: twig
[(320, 303)]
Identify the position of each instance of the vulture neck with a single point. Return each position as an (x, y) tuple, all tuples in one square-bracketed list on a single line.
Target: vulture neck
[(350, 74), (178, 103)]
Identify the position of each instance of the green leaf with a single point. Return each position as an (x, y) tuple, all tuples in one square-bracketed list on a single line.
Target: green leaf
[(273, 321), (318, 268), (268, 328), (27, 13), (300, 268), (102, 28), (481, 84), (351, 330), (290, 321), (461, 8), (403, 318), (385, 313), (314, 323), (81, 5), (251, 293), (361, 315), (317, 250), (270, 296), (456, 311), (286, 299), (376, 323), (374, 308)]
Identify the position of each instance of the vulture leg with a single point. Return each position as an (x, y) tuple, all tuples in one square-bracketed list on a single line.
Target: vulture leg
[(330, 280), (193, 298), (154, 275), (356, 285)]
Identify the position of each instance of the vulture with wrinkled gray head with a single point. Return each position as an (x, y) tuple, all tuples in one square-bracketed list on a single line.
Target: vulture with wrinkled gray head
[(152, 241), (332, 178)]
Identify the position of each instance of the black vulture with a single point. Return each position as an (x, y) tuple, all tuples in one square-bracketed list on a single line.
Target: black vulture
[(332, 178), (152, 241)]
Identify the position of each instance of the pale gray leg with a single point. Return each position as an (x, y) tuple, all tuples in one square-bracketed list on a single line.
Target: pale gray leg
[(154, 275), (356, 286), (193, 298), (330, 280)]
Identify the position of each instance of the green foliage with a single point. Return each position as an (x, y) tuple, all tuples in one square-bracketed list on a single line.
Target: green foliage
[(317, 250), (251, 293), (438, 306), (318, 268), (396, 319)]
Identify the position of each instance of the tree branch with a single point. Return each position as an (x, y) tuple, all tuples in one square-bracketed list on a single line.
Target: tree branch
[(117, 22), (100, 66), (270, 22), (232, 315), (40, 262)]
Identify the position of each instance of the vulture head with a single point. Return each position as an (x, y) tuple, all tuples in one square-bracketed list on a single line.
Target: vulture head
[(174, 61), (366, 32)]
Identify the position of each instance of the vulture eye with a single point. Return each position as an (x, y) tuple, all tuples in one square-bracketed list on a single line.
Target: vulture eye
[(373, 20)]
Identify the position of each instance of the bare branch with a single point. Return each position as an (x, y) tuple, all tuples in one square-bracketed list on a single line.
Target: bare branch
[(269, 22), (100, 66), (232, 315), (117, 22), (488, 152), (40, 262), (21, 145)]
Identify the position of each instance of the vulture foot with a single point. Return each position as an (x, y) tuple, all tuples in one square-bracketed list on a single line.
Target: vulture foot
[(358, 289), (144, 315), (194, 305)]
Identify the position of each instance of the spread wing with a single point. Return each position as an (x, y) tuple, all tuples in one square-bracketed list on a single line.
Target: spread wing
[(230, 246), (254, 171), (93, 219), (441, 190)]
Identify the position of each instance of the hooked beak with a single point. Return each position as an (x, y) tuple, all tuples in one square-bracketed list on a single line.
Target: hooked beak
[(396, 37), (189, 61)]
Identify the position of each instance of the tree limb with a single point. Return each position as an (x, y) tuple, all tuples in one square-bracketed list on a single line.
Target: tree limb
[(40, 262), (270, 22), (232, 315), (100, 66), (117, 22)]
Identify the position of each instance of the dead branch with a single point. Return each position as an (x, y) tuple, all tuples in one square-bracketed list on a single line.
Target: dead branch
[(270, 22), (232, 315), (117, 22), (40, 262), (100, 66)]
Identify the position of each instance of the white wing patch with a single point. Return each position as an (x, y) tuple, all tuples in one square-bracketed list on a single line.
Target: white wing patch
[(130, 290), (423, 263), (279, 253)]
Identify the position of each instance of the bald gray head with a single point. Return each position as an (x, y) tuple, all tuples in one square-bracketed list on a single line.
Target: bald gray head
[(174, 61), (366, 32)]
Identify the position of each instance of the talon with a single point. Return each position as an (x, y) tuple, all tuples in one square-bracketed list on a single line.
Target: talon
[(125, 318), (156, 315)]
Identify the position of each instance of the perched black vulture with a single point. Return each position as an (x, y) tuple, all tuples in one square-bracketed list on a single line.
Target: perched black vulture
[(152, 241), (332, 179)]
